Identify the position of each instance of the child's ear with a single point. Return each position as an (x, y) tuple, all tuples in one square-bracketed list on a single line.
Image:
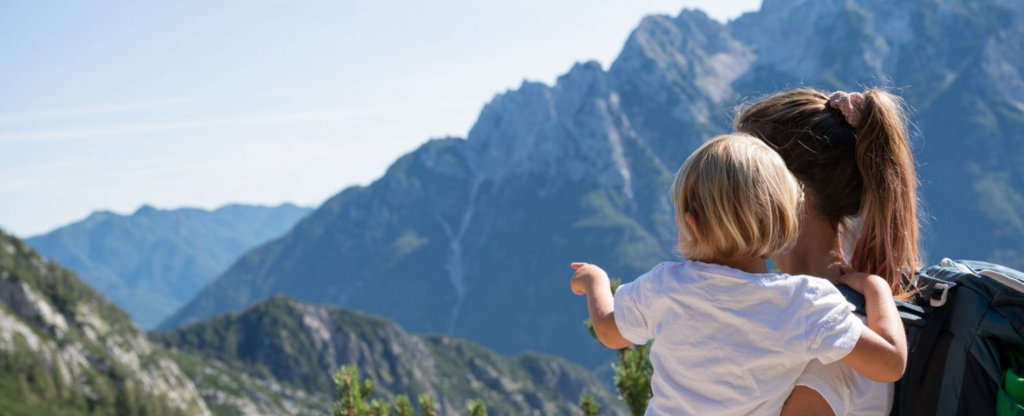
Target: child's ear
[(691, 220)]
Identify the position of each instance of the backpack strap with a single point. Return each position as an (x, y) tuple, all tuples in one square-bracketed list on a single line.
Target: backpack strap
[(856, 299), (913, 316)]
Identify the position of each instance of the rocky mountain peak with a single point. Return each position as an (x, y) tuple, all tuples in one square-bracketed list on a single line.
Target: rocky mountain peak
[(146, 209), (690, 51), (778, 6), (574, 130)]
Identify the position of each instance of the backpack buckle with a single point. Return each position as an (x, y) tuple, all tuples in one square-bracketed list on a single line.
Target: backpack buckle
[(939, 293)]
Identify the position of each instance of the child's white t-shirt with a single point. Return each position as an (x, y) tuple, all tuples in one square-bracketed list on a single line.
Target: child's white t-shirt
[(730, 342)]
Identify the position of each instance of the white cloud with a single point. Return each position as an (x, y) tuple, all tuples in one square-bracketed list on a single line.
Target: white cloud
[(207, 123), (63, 113)]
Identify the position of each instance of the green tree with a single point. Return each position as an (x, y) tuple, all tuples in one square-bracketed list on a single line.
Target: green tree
[(351, 394), (403, 407), (632, 374), (589, 406), (477, 408), (379, 408), (427, 406), (633, 378)]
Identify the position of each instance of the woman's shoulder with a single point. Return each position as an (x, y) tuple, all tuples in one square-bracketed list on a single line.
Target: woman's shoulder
[(813, 285)]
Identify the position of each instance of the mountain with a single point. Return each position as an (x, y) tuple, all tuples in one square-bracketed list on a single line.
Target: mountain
[(64, 350), (293, 346), (153, 261), (472, 237)]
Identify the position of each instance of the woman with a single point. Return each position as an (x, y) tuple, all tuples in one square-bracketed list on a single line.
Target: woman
[(852, 156)]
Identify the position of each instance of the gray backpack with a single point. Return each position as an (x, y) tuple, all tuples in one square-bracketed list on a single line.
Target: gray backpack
[(965, 333)]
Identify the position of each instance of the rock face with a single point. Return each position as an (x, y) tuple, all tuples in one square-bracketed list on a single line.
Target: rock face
[(153, 261), (286, 348), (472, 237), (233, 391), (65, 350)]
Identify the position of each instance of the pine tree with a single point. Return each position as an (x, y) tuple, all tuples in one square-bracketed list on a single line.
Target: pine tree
[(403, 407), (632, 374), (427, 406), (477, 408), (351, 394), (379, 408), (633, 378), (589, 406)]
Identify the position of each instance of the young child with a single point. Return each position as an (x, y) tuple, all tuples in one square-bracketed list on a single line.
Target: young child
[(731, 337)]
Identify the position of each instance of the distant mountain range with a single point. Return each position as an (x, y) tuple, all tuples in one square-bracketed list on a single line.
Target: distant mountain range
[(65, 350), (153, 261), (473, 237)]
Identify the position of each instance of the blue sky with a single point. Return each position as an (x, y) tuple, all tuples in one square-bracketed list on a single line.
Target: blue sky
[(110, 105)]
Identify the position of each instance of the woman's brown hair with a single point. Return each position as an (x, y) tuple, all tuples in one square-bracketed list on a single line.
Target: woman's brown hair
[(865, 172)]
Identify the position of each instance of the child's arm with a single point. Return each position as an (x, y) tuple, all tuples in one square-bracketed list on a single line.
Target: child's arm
[(881, 352), (590, 280)]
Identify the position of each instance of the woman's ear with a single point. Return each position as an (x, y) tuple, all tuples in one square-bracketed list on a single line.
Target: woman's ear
[(691, 220)]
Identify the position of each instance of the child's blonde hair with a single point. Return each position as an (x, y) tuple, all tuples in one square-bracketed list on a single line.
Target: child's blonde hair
[(744, 199)]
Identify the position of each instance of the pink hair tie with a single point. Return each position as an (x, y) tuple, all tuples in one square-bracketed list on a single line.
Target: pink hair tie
[(851, 105)]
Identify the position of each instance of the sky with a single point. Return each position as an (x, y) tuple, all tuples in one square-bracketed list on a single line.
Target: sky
[(110, 105)]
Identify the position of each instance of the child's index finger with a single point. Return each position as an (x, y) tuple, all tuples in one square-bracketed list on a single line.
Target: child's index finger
[(577, 265)]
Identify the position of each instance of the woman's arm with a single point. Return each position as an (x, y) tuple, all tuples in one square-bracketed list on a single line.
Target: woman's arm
[(590, 280), (881, 353), (805, 401)]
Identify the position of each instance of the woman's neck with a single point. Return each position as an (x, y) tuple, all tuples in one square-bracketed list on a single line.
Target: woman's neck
[(818, 252)]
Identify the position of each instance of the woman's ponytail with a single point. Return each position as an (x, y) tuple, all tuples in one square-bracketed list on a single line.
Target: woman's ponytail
[(888, 237), (851, 152)]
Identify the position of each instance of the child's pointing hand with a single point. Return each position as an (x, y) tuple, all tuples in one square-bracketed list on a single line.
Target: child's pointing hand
[(585, 277)]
